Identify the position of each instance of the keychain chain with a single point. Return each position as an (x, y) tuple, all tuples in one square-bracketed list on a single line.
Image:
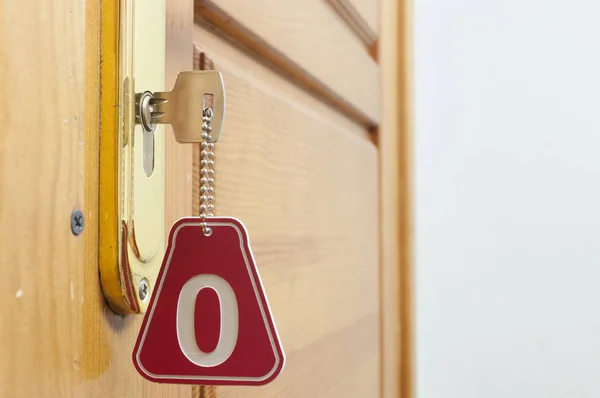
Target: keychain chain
[(207, 189)]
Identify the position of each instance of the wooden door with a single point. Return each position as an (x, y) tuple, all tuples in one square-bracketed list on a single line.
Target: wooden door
[(310, 159)]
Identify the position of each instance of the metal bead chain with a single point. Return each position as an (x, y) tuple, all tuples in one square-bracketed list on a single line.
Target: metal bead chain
[(207, 181)]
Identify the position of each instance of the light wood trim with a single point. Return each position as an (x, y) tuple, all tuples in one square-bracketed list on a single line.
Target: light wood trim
[(370, 11), (405, 88), (395, 148), (355, 21), (337, 70)]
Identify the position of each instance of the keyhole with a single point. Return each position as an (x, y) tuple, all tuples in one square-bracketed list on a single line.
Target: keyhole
[(148, 151)]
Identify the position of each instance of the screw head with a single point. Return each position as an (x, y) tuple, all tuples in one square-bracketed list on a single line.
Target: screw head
[(77, 222), (144, 289)]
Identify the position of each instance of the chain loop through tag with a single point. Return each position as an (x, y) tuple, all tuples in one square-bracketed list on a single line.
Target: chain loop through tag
[(207, 189)]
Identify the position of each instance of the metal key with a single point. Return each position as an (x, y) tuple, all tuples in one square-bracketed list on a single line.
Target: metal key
[(182, 107)]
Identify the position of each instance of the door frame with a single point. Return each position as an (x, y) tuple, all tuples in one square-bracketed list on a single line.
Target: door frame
[(395, 144)]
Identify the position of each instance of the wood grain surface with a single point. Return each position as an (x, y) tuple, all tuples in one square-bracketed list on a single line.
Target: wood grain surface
[(42, 147), (308, 42), (58, 337), (304, 180), (178, 157)]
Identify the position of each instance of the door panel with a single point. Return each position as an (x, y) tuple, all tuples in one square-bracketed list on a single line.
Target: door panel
[(297, 162), (308, 40), (304, 180)]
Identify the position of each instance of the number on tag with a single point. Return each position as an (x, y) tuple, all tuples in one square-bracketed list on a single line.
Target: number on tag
[(229, 320)]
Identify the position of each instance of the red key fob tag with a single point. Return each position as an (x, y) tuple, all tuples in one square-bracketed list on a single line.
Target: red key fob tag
[(209, 321)]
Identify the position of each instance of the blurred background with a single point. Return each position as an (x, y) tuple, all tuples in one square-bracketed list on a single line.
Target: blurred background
[(506, 198)]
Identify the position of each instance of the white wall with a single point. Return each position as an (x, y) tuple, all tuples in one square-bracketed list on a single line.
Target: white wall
[(507, 198)]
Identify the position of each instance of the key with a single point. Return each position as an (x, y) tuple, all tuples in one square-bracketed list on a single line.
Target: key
[(182, 107)]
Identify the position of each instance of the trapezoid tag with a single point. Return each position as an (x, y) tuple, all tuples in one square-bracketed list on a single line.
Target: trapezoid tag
[(209, 320)]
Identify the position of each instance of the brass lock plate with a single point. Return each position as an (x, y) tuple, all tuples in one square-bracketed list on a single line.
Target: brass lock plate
[(132, 185)]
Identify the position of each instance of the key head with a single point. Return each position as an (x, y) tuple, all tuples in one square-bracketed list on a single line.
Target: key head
[(182, 107)]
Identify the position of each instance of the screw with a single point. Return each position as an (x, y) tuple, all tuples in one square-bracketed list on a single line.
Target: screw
[(144, 289), (77, 222)]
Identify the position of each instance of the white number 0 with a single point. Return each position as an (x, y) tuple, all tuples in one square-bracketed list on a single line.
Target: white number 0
[(228, 333)]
